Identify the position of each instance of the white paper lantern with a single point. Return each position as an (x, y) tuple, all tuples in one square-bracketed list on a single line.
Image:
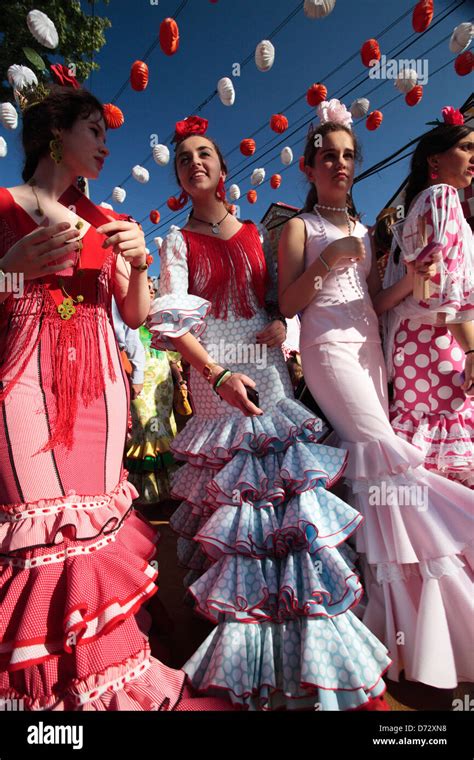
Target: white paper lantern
[(106, 205), (360, 108), (158, 241), (226, 91), (234, 192), (461, 37), (119, 194), (8, 116), (258, 175), (318, 8), (161, 155), (42, 29), (264, 55), (406, 80), (21, 76), (3, 148), (286, 156), (141, 174)]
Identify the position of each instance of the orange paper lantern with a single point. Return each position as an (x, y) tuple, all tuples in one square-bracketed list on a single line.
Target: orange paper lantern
[(247, 147), (464, 63), (169, 36), (279, 123), (275, 181), (252, 196), (374, 120), (301, 163), (422, 15), (155, 217), (316, 94), (113, 116), (370, 51), (139, 76), (149, 260), (173, 203), (414, 96), (232, 209)]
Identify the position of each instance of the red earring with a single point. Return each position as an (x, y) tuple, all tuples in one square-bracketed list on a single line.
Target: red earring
[(434, 174), (220, 190)]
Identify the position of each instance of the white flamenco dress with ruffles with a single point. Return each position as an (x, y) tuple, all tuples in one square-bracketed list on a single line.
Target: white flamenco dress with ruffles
[(262, 536), (418, 532)]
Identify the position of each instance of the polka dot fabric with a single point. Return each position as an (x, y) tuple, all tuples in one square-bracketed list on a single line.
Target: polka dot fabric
[(262, 537)]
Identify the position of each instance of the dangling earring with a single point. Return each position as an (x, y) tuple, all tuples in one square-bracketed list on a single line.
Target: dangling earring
[(81, 184), (183, 199), (220, 190), (56, 150), (434, 174)]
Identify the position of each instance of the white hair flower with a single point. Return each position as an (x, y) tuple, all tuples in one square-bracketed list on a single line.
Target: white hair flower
[(334, 110)]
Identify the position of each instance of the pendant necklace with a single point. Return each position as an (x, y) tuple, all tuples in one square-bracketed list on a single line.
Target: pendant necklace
[(213, 225)]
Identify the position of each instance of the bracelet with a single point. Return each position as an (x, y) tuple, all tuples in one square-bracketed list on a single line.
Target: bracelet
[(471, 351), (221, 379), (321, 257), (140, 268)]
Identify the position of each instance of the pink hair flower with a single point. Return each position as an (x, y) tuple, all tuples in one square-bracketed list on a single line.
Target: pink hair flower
[(334, 110), (452, 115)]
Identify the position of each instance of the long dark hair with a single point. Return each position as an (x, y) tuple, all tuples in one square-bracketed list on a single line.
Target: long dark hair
[(310, 152), (59, 110), (221, 158)]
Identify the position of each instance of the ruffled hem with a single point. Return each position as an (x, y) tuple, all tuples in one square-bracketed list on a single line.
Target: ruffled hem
[(172, 316), (326, 664), (48, 522)]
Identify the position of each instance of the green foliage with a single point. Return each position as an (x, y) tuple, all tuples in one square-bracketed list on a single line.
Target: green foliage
[(80, 35)]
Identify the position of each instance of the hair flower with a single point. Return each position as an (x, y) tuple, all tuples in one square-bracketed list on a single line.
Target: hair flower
[(335, 111)]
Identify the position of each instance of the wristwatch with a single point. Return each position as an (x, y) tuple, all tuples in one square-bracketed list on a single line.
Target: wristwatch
[(207, 371)]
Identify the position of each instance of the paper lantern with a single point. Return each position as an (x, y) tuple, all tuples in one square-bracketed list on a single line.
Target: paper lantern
[(252, 196), (370, 52), (286, 155), (21, 76), (119, 194), (318, 8), (406, 80), (169, 36), (461, 37), (103, 204), (234, 192), (173, 203), (3, 147), (264, 55), (316, 94), (279, 123), (141, 174), (113, 116), (8, 116), (139, 76), (161, 155), (464, 63), (301, 163), (275, 181), (258, 175), (414, 96), (232, 209), (149, 260), (360, 108), (374, 120), (247, 147), (42, 29), (226, 91), (158, 241), (422, 15), (155, 216)]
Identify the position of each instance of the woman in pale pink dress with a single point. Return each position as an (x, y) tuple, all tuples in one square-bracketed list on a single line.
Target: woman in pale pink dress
[(418, 525), (429, 343)]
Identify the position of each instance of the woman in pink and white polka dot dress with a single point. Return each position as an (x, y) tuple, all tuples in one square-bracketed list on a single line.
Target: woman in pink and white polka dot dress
[(429, 334)]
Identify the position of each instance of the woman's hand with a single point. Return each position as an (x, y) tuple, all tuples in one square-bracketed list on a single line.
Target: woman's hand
[(126, 239), (426, 268), (33, 255), (273, 334), (344, 252), (468, 384), (233, 391)]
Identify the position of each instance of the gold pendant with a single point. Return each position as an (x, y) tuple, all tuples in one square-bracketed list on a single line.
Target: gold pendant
[(66, 309)]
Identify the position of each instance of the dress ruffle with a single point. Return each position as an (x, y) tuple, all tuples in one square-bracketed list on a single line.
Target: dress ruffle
[(173, 315)]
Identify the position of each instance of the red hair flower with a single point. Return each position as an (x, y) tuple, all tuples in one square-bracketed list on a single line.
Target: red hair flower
[(452, 115), (193, 125), (62, 76)]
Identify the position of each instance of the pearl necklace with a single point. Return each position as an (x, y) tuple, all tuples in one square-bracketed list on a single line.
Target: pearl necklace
[(351, 274), (334, 208)]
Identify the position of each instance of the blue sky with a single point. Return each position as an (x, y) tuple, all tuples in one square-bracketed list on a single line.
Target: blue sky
[(214, 36)]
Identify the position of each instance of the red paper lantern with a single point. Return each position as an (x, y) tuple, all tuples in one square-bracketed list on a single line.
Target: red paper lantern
[(414, 96), (169, 36), (275, 181), (232, 209), (113, 116), (374, 120), (173, 203), (301, 163), (139, 76), (279, 123), (155, 217), (247, 147), (252, 196), (316, 94), (464, 63), (422, 15), (370, 51), (149, 259)]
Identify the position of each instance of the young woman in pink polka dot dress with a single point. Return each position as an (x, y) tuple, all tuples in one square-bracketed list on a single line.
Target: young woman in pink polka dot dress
[(427, 336)]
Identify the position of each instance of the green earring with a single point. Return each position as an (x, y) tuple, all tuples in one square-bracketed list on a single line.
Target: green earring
[(56, 150)]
